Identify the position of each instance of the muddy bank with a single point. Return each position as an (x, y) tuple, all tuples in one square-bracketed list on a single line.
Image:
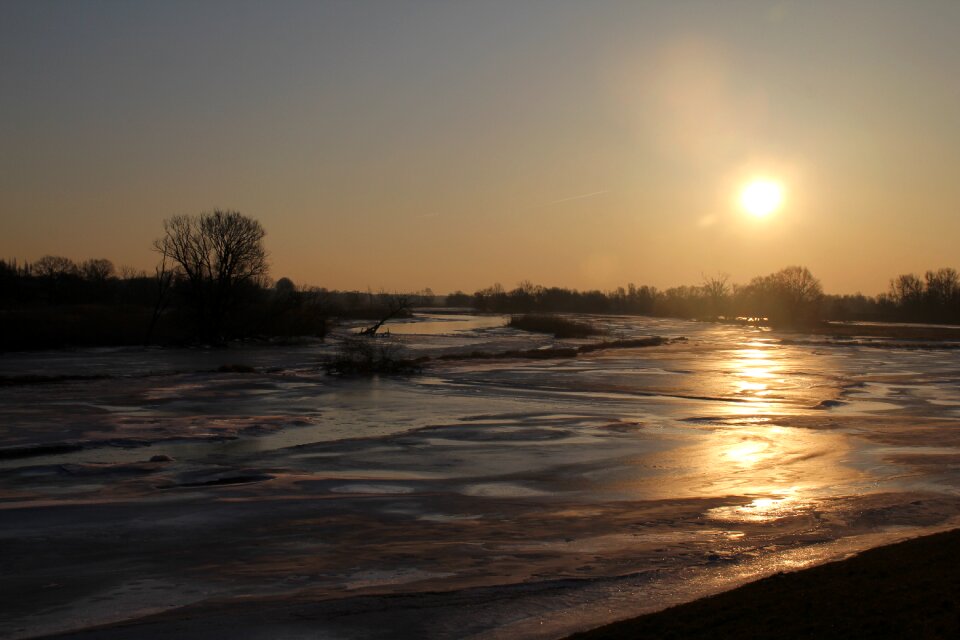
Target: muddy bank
[(905, 590)]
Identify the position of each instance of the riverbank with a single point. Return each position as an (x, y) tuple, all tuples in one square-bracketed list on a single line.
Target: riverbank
[(905, 590)]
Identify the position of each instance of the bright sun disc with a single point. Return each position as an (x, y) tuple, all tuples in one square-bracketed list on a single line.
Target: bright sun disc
[(761, 197)]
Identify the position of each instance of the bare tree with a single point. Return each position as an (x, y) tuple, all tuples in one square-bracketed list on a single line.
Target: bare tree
[(789, 296), (396, 305), (130, 273), (716, 289), (96, 270), (943, 286), (55, 267), (216, 254), (60, 277), (906, 289), (163, 278), (800, 291)]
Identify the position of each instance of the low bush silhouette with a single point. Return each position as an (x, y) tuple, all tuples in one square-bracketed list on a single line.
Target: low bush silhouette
[(559, 326), (367, 355)]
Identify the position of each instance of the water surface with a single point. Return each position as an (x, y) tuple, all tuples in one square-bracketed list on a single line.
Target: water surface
[(499, 498)]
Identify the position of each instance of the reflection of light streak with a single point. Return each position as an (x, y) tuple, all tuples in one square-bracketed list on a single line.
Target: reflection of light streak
[(746, 454), (755, 405), (777, 471), (782, 503), (746, 385), (753, 371)]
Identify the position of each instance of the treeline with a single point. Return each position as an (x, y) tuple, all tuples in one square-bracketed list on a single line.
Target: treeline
[(789, 297), (211, 285), (56, 302), (933, 298), (199, 297), (57, 280)]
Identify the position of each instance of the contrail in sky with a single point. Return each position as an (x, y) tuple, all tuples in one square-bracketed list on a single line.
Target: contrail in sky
[(580, 197)]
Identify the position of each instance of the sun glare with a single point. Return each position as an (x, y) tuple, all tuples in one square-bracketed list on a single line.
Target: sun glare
[(761, 197)]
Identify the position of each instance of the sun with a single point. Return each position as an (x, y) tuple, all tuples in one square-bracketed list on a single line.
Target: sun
[(761, 197)]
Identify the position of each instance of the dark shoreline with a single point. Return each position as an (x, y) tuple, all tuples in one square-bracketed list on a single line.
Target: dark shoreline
[(909, 589)]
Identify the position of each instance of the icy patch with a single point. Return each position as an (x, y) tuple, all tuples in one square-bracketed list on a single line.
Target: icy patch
[(864, 406), (766, 509), (390, 489), (502, 490), (445, 517), (375, 578)]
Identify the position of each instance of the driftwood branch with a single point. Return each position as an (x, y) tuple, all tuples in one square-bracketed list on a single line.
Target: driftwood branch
[(395, 307)]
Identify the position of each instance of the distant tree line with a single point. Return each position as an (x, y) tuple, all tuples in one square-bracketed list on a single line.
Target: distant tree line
[(789, 297), (59, 280), (933, 298), (211, 284)]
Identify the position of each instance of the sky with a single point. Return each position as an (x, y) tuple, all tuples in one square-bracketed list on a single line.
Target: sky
[(404, 145)]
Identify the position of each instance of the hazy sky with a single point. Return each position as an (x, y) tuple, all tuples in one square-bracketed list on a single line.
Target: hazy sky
[(452, 144)]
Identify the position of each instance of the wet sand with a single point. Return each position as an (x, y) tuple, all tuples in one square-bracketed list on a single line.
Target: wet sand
[(905, 590)]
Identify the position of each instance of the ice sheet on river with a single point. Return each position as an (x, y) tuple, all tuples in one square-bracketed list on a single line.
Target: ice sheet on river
[(494, 498)]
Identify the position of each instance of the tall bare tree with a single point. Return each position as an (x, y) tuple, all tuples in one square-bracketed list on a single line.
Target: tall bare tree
[(716, 289), (96, 270), (60, 277), (907, 290), (54, 267), (943, 286), (217, 254), (789, 296)]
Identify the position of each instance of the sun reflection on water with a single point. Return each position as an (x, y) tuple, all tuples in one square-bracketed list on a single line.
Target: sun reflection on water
[(769, 471), (756, 375), (743, 450), (754, 368), (782, 503), (747, 454)]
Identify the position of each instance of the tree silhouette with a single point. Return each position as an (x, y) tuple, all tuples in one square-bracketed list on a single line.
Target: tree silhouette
[(716, 289), (943, 291), (906, 290), (800, 292), (396, 305), (96, 270), (54, 267), (789, 296), (217, 256)]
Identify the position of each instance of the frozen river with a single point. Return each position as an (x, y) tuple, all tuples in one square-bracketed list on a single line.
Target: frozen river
[(493, 498)]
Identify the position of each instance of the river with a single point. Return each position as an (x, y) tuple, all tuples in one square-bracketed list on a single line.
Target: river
[(485, 498)]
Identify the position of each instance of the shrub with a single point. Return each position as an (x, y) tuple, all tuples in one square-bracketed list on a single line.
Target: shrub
[(369, 355), (559, 326)]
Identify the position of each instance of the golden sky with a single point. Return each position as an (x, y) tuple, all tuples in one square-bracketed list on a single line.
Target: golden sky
[(404, 145)]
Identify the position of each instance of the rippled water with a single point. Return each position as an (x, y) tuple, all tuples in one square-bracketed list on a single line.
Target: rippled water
[(500, 497)]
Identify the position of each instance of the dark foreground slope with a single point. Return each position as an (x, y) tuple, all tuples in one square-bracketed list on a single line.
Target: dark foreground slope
[(906, 590)]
